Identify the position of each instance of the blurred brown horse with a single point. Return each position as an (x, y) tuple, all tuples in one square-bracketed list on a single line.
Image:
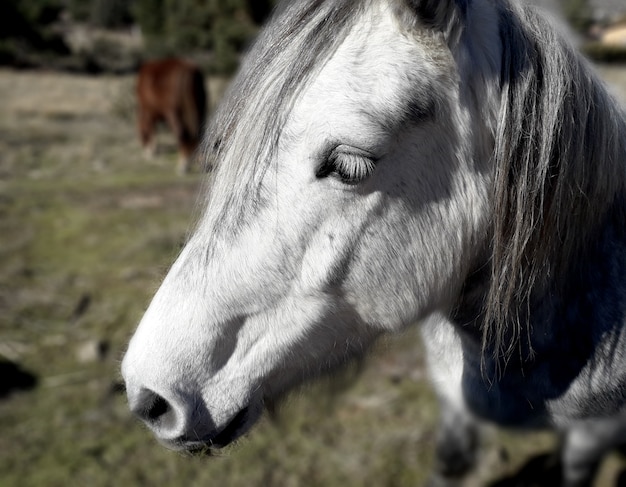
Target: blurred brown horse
[(171, 90)]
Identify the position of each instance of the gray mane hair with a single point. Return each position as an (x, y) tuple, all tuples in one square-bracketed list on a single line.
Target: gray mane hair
[(295, 44), (559, 167)]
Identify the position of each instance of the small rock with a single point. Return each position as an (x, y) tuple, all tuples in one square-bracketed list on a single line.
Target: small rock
[(92, 351)]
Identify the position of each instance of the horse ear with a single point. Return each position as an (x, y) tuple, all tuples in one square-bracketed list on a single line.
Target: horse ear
[(444, 15)]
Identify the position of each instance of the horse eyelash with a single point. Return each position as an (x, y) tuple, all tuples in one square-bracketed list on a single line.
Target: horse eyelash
[(349, 166), (352, 168)]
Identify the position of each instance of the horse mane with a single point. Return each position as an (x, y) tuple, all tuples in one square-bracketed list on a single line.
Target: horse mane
[(560, 155)]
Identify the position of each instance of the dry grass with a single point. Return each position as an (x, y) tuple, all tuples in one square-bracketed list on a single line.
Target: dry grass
[(88, 229)]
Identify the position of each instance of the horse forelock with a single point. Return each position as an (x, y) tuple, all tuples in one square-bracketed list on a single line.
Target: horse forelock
[(244, 133), (559, 166), (292, 48)]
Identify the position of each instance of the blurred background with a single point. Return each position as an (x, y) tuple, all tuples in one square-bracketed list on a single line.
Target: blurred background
[(88, 228)]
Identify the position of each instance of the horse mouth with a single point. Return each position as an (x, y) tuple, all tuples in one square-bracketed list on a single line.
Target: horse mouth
[(234, 430)]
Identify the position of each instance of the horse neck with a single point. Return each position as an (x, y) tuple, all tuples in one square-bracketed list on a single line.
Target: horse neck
[(592, 293), (583, 302)]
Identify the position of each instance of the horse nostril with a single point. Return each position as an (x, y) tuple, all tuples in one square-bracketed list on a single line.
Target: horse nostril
[(151, 407), (158, 408)]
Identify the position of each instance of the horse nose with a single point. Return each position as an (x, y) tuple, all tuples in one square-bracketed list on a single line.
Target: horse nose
[(178, 421), (154, 410)]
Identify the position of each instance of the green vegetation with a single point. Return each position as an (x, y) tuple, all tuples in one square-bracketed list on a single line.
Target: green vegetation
[(213, 31), (25, 27), (223, 28), (114, 36)]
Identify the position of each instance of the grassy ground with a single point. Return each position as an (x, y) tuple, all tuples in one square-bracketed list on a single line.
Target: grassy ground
[(87, 230)]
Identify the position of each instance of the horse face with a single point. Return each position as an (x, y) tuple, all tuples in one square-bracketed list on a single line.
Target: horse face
[(365, 220)]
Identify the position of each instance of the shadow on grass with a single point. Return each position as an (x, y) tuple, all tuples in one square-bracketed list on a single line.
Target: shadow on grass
[(543, 470), (14, 378)]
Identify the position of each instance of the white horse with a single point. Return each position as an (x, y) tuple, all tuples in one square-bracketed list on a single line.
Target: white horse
[(386, 162)]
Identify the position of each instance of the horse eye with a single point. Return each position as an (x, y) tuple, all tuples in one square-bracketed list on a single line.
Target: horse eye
[(348, 164)]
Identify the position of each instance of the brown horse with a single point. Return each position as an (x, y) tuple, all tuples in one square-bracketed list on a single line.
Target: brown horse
[(171, 90)]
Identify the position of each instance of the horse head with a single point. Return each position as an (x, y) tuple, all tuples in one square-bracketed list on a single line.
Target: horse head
[(350, 198)]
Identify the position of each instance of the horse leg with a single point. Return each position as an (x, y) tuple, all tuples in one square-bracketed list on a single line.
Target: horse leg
[(185, 153), (174, 120), (456, 444), (146, 122), (458, 435), (585, 444)]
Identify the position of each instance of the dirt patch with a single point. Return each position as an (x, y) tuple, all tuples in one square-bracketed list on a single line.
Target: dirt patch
[(181, 196)]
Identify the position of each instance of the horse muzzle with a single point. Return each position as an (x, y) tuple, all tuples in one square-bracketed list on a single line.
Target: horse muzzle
[(186, 424)]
